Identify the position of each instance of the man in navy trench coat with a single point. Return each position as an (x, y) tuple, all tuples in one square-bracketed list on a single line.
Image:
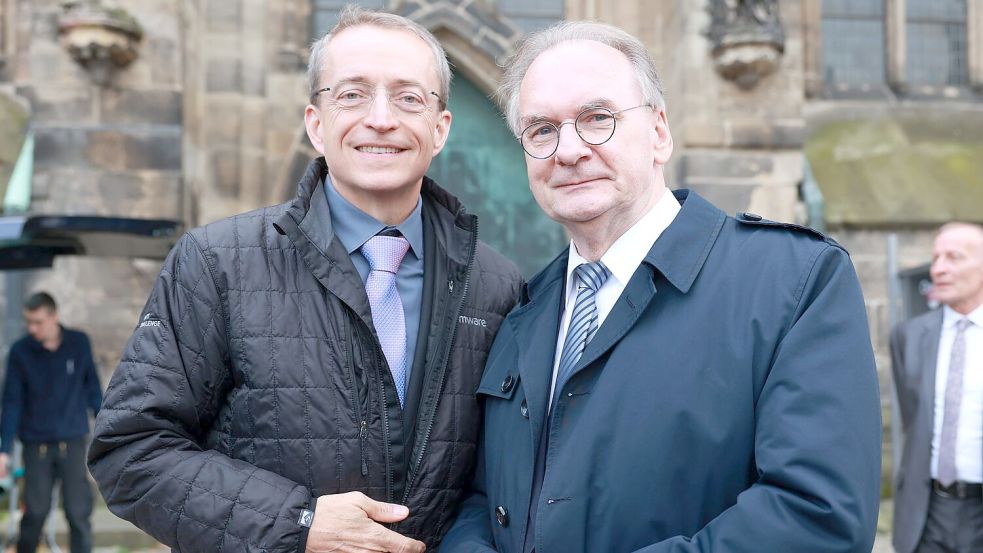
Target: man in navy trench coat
[(723, 397)]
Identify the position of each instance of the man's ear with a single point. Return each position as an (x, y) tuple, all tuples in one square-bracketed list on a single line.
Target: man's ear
[(442, 130), (312, 122), (661, 137)]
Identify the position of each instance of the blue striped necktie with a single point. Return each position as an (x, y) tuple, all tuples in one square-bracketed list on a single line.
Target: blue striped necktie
[(583, 322)]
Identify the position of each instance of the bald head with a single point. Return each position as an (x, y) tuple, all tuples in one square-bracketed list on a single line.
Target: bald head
[(957, 266), (970, 229)]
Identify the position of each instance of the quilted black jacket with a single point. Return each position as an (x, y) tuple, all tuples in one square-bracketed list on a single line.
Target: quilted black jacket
[(255, 382)]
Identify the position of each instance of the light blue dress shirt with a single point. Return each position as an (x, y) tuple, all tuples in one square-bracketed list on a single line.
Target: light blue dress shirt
[(354, 227)]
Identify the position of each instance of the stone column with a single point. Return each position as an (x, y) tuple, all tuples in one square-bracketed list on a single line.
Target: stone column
[(7, 45), (193, 108), (582, 9), (295, 25), (895, 15), (812, 46), (974, 40), (3, 34)]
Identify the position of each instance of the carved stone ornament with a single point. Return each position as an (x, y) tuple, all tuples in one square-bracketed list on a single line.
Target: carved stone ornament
[(748, 39), (102, 40)]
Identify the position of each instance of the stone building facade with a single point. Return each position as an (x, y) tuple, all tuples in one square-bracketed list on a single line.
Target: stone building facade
[(206, 120)]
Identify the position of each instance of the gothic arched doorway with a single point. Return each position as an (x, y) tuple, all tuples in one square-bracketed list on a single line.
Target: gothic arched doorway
[(483, 165)]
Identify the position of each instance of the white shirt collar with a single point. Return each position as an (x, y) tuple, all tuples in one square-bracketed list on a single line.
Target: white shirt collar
[(950, 316), (628, 251)]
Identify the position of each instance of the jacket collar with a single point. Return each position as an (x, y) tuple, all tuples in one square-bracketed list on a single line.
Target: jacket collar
[(683, 248), (678, 254), (307, 224), (451, 220)]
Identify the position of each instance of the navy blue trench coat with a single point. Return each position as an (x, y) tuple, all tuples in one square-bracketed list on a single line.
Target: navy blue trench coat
[(728, 404)]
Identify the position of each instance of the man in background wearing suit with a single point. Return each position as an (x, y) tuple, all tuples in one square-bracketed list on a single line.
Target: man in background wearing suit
[(937, 359)]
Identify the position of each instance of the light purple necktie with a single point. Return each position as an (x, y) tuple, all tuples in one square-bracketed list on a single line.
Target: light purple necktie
[(953, 402), (384, 254)]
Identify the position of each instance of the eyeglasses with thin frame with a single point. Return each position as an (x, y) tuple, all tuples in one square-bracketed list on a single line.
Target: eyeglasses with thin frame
[(594, 125), (358, 96)]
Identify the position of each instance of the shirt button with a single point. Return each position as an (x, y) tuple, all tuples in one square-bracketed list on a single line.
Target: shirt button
[(502, 516), (524, 409), (508, 383), (751, 216)]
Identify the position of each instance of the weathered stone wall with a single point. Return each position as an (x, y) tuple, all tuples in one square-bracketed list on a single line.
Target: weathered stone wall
[(113, 150), (741, 148), (246, 79)]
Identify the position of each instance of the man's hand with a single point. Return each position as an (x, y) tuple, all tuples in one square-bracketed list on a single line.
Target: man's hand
[(349, 522), (4, 465)]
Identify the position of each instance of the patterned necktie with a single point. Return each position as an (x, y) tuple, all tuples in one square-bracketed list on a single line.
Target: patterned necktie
[(384, 254), (583, 320), (953, 401)]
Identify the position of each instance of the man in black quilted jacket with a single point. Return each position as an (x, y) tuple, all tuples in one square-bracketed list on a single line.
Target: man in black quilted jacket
[(302, 377)]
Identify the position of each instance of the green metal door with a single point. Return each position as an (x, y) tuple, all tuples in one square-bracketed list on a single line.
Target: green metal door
[(484, 166)]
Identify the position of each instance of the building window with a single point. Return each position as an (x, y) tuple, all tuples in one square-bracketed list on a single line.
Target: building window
[(853, 42), (936, 38)]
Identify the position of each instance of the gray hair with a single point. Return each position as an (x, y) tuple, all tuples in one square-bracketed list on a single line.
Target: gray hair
[(534, 44), (353, 16)]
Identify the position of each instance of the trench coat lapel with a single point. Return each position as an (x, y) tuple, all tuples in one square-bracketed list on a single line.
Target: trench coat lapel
[(678, 255)]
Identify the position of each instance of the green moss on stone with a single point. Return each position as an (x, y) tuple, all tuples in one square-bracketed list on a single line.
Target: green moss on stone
[(923, 171)]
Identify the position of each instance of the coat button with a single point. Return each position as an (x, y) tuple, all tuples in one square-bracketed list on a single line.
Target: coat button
[(751, 216), (524, 409), (502, 516), (508, 383)]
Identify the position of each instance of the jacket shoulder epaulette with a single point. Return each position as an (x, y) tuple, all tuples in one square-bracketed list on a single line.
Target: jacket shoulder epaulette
[(754, 219)]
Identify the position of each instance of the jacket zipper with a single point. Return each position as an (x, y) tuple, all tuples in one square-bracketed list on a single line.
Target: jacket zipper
[(379, 359), (362, 423), (415, 467), (379, 362)]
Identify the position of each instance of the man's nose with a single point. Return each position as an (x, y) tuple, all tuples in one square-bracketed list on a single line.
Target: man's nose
[(570, 147), (381, 115)]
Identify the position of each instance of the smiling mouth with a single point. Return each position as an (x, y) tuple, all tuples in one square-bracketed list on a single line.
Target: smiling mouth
[(379, 150), (577, 183)]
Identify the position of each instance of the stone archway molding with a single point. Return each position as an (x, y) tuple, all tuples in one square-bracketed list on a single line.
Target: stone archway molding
[(477, 37)]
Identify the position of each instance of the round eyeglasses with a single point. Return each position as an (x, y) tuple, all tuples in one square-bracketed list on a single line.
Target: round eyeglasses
[(359, 96), (594, 126)]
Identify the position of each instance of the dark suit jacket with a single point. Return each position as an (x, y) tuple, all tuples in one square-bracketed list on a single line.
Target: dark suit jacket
[(914, 352), (729, 403)]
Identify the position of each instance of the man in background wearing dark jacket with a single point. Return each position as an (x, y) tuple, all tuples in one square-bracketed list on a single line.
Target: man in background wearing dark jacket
[(303, 376), (677, 380), (50, 386)]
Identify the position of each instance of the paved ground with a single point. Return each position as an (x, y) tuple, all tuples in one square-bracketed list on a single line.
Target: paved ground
[(883, 544), (114, 535)]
